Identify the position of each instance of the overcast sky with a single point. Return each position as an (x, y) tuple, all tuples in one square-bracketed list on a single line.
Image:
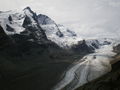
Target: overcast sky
[(69, 10), (92, 16)]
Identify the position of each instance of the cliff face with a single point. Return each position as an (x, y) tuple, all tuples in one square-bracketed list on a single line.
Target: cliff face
[(110, 81), (117, 49)]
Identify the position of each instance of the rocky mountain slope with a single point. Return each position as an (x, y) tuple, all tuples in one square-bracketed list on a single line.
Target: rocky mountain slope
[(35, 51), (37, 28)]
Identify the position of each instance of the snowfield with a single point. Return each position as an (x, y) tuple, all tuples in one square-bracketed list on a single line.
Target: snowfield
[(69, 37)]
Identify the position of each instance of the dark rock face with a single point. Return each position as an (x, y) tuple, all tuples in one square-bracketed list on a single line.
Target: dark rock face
[(60, 34), (82, 47), (95, 45), (73, 33), (43, 20), (106, 43), (8, 28), (26, 22), (34, 15), (7, 44), (4, 40), (10, 18), (117, 49), (34, 28)]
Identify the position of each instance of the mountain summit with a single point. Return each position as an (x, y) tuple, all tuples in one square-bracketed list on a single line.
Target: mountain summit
[(37, 28), (35, 50)]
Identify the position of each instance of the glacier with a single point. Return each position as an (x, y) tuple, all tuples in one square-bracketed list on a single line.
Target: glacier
[(88, 68)]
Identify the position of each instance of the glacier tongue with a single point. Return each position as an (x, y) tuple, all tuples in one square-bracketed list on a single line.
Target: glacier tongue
[(16, 22), (88, 68)]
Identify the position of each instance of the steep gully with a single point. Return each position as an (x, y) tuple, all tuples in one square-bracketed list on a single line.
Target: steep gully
[(88, 68)]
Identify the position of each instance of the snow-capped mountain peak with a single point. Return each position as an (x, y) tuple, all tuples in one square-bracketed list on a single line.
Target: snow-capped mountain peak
[(39, 28), (28, 9)]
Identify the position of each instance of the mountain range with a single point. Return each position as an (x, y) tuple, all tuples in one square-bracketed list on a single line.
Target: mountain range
[(35, 50)]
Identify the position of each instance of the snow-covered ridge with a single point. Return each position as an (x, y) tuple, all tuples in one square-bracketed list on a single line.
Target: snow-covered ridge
[(17, 22), (69, 37), (13, 20), (13, 23)]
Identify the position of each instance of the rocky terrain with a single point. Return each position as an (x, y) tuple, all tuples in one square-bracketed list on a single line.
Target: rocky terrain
[(35, 51)]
